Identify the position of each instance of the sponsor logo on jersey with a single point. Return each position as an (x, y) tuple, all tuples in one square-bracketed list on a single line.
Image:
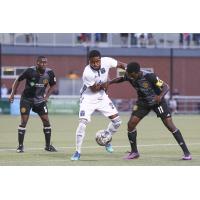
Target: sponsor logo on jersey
[(145, 84), (23, 110), (39, 85), (45, 81)]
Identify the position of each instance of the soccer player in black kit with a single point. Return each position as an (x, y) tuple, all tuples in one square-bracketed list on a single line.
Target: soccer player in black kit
[(33, 97), (151, 91)]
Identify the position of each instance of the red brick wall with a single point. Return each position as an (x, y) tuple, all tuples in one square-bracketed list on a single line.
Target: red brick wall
[(186, 71)]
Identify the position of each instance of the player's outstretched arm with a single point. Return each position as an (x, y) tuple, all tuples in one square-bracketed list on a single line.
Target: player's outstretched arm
[(121, 65), (116, 80), (14, 89)]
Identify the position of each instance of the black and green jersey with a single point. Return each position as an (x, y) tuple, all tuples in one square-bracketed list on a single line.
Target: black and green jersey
[(147, 87), (36, 83)]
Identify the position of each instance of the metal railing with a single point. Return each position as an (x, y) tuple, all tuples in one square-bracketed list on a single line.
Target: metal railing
[(148, 40)]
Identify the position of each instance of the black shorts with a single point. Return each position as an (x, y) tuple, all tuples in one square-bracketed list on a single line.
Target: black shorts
[(26, 106), (162, 110)]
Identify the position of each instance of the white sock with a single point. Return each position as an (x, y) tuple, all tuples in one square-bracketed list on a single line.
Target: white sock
[(114, 125), (80, 134)]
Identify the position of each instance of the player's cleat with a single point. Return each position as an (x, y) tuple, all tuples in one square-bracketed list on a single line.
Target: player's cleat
[(76, 156), (187, 157), (20, 149), (50, 148), (109, 148), (132, 155)]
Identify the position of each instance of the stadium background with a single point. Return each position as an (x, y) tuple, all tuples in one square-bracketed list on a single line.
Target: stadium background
[(174, 57)]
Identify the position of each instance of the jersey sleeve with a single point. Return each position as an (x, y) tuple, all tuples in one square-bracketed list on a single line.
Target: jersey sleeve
[(52, 78), (24, 75), (155, 80), (111, 62), (88, 79)]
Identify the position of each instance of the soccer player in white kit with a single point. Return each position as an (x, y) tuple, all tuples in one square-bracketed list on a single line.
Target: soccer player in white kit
[(94, 97)]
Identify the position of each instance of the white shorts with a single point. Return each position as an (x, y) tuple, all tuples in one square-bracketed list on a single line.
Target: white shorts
[(105, 106)]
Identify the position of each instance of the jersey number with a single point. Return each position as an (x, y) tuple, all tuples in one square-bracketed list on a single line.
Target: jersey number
[(45, 109), (160, 109)]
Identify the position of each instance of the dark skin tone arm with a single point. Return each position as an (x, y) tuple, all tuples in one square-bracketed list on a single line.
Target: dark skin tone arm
[(104, 86), (49, 92), (14, 89), (165, 89)]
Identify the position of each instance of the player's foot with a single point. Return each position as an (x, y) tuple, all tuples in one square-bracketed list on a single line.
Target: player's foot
[(187, 157), (50, 148), (76, 156), (20, 149), (109, 148), (132, 155)]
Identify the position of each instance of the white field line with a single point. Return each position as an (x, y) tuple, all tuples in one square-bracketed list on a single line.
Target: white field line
[(96, 147)]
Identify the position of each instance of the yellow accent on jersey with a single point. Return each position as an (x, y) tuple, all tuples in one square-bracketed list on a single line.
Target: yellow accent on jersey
[(159, 83)]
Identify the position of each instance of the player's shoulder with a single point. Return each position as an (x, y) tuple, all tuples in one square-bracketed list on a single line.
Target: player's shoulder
[(106, 59), (49, 69)]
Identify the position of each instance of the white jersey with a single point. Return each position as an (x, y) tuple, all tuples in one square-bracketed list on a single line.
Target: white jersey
[(90, 77)]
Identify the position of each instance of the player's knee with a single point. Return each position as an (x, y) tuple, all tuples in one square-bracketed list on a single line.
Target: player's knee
[(131, 125), (80, 131), (23, 124), (116, 122), (46, 123)]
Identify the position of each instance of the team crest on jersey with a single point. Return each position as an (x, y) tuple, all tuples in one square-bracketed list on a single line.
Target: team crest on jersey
[(23, 110), (82, 113), (102, 70), (32, 84), (45, 81), (135, 107), (145, 84)]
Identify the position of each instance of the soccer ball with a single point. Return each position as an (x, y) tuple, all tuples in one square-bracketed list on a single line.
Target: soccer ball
[(102, 138)]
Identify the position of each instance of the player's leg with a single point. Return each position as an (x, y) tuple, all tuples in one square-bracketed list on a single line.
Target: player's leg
[(25, 107), (42, 110), (107, 108), (178, 137), (47, 133), (163, 112), (138, 113), (85, 112)]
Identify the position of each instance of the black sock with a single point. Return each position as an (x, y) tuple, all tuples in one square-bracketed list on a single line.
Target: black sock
[(178, 136), (47, 133), (21, 133), (132, 139)]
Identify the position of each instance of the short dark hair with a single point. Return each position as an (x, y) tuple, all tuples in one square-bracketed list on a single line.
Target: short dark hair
[(94, 53), (40, 58), (133, 67)]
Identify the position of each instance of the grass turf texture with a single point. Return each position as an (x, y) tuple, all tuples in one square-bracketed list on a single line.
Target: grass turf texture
[(156, 145)]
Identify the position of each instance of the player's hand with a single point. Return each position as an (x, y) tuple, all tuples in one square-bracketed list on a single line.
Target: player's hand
[(46, 99), (104, 86), (11, 98), (157, 99)]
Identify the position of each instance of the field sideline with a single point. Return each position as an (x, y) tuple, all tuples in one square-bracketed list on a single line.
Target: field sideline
[(156, 145)]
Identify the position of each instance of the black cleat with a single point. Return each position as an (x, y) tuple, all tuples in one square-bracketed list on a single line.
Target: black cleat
[(50, 148), (20, 149)]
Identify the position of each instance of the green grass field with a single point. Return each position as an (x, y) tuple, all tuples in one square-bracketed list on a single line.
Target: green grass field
[(156, 145)]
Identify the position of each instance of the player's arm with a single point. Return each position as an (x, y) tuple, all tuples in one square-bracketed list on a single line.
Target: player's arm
[(116, 80), (52, 84), (161, 85), (98, 86), (16, 85), (121, 65), (14, 90), (165, 89)]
